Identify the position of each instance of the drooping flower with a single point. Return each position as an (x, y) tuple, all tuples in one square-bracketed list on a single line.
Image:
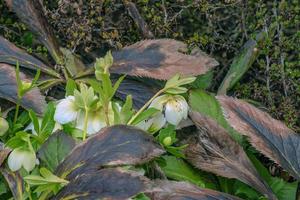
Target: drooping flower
[(3, 126), (66, 110), (174, 109), (21, 158)]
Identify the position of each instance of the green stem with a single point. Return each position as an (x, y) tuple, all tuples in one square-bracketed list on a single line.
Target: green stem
[(17, 111), (145, 106), (106, 113), (85, 123)]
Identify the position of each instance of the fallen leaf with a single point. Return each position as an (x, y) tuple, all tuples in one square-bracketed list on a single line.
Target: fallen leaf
[(269, 136), (8, 90), (112, 146), (160, 59)]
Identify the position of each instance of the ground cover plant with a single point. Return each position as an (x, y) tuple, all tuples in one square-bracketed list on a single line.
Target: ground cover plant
[(136, 123)]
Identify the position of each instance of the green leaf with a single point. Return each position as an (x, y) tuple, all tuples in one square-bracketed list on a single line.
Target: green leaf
[(178, 169), (70, 87), (35, 121), (207, 105), (54, 150), (48, 122), (176, 90), (283, 190), (203, 81), (167, 133), (241, 63), (126, 111), (145, 115)]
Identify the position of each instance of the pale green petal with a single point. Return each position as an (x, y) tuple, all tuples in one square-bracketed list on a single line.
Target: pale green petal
[(145, 124), (29, 160), (66, 110), (159, 102), (15, 160), (3, 126), (95, 122), (158, 121)]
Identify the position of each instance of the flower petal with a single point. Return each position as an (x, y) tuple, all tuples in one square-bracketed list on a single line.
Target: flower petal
[(159, 102), (66, 110), (15, 160), (158, 121), (29, 160), (176, 109)]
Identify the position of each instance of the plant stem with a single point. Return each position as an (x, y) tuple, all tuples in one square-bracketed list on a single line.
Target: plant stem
[(145, 106), (85, 123), (17, 111), (106, 114)]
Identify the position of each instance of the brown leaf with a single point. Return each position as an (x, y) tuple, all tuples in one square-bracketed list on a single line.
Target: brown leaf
[(112, 146), (15, 183), (30, 12), (160, 59), (10, 54), (8, 90), (114, 184), (212, 149), (271, 137), (3, 153), (171, 190)]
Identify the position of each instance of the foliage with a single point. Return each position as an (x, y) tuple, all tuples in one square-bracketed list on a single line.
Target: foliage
[(123, 129)]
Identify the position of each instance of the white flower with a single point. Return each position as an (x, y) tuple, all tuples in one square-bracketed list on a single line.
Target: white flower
[(3, 126), (30, 127), (66, 110), (21, 158), (174, 107)]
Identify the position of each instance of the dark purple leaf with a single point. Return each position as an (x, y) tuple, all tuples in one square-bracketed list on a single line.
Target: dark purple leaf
[(3, 153), (171, 190), (112, 146), (160, 59), (212, 149), (111, 183), (31, 12), (10, 54), (8, 90), (269, 136), (15, 183)]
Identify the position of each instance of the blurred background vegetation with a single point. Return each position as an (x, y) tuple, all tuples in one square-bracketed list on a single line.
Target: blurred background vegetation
[(220, 28)]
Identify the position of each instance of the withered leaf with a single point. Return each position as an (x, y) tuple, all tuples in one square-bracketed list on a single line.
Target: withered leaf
[(3, 153), (110, 183), (160, 59), (31, 13), (8, 90), (10, 54), (140, 92), (271, 137), (15, 183), (112, 146), (166, 190), (212, 149)]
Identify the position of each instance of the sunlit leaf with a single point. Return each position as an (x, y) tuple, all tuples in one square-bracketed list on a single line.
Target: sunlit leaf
[(269, 136), (8, 90), (160, 59)]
